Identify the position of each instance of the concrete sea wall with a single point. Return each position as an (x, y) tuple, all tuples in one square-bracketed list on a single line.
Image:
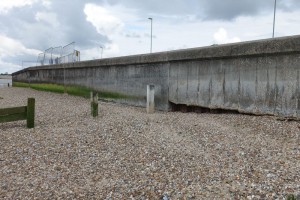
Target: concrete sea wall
[(122, 76), (259, 77)]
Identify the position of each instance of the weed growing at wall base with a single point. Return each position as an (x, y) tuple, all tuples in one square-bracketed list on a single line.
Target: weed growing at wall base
[(72, 90)]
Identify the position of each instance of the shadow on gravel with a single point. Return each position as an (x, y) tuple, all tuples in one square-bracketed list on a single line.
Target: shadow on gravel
[(9, 125)]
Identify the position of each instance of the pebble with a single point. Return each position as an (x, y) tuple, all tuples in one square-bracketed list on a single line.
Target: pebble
[(124, 153)]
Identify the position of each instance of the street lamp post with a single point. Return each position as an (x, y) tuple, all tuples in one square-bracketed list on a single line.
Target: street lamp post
[(101, 47), (274, 18), (151, 19)]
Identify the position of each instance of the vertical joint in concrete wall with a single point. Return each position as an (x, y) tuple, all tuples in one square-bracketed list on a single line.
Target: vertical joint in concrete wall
[(150, 98), (94, 104)]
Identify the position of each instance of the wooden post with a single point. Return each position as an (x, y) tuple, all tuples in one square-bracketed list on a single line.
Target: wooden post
[(30, 112), (94, 104), (150, 99), (7, 84), (28, 78), (65, 89)]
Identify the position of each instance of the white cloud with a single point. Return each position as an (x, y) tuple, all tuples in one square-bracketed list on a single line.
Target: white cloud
[(47, 3), (48, 17), (104, 21), (90, 54), (9, 67), (110, 50), (221, 37), (11, 47), (6, 5)]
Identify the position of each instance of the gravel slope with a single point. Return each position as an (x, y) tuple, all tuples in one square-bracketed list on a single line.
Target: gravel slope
[(128, 154)]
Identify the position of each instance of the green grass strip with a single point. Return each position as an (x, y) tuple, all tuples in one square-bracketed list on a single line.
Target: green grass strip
[(20, 84), (113, 95), (72, 90), (78, 91), (41, 86)]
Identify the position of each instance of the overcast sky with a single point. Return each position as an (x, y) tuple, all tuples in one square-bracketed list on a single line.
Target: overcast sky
[(122, 27)]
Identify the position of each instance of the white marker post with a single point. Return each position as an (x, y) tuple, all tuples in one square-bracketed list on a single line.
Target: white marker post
[(150, 99)]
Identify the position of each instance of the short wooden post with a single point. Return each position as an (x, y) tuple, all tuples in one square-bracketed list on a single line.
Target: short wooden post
[(7, 84), (94, 104), (150, 99), (30, 112)]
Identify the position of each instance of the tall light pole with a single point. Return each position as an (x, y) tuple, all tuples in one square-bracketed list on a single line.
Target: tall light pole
[(274, 17), (101, 47), (151, 19)]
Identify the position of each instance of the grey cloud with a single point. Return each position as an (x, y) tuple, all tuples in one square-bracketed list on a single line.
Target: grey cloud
[(17, 60), (288, 5), (75, 26), (20, 24), (207, 9), (166, 7), (230, 9)]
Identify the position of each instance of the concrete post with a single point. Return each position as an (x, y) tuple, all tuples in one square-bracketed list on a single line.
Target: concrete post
[(150, 99)]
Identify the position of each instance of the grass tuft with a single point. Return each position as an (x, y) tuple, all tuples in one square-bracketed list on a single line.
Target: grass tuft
[(291, 197)]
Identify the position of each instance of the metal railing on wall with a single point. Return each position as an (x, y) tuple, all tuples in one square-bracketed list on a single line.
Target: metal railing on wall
[(59, 55)]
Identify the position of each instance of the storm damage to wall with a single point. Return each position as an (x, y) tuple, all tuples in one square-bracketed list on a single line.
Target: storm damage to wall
[(258, 77)]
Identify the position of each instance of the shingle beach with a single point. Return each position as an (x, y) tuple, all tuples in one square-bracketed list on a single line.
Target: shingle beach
[(125, 153)]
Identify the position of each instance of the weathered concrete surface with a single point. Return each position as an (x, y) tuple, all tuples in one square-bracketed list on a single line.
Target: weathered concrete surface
[(130, 81), (260, 77), (261, 85)]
